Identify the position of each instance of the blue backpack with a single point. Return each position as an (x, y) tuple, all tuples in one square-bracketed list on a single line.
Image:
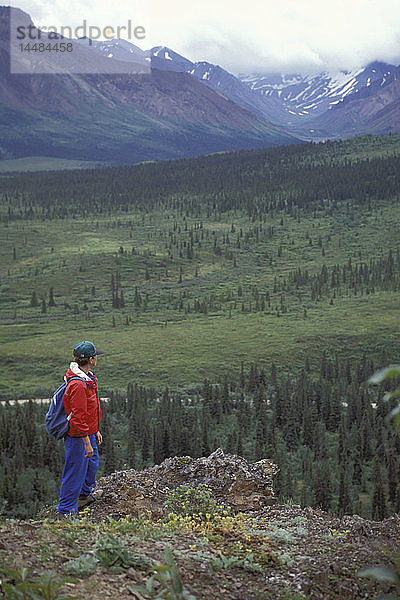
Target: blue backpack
[(56, 420)]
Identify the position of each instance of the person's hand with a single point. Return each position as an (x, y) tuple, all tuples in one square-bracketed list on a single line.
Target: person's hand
[(99, 438), (88, 448)]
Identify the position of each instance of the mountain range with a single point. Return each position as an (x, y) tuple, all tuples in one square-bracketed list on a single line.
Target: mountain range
[(178, 108), (311, 106)]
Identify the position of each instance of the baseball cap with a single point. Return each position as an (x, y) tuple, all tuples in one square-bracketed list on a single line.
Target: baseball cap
[(87, 349)]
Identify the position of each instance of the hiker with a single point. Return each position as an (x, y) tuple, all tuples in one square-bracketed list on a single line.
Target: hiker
[(81, 402)]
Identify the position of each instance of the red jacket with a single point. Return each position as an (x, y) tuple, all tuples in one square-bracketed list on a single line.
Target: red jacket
[(81, 400)]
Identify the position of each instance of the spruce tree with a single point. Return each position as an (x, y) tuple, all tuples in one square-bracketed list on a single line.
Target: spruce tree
[(308, 427), (52, 302), (345, 505), (110, 463), (392, 478), (259, 450), (240, 443), (131, 447), (378, 506), (147, 444), (34, 300), (158, 435), (322, 486), (205, 445)]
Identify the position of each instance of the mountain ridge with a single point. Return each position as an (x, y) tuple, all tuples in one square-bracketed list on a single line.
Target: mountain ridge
[(294, 101), (119, 118)]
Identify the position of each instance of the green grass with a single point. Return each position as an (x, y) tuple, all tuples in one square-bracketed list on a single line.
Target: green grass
[(197, 348)]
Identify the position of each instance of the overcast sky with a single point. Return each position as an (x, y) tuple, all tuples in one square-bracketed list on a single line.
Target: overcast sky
[(255, 36)]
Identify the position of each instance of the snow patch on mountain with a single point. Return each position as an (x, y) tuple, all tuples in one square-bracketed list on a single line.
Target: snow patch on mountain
[(314, 93)]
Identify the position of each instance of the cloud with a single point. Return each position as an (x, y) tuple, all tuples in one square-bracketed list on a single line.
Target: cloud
[(311, 34), (252, 36)]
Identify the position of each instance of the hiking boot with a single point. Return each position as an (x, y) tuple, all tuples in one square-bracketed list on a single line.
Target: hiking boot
[(85, 500)]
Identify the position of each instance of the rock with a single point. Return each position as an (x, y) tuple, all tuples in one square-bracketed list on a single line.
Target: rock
[(230, 478)]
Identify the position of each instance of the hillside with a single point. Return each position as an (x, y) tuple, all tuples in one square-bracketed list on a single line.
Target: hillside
[(275, 551)]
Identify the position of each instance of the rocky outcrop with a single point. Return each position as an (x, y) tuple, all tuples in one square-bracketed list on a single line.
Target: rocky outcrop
[(230, 478), (244, 486)]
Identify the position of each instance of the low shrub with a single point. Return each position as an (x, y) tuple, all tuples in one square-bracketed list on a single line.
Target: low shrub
[(198, 501)]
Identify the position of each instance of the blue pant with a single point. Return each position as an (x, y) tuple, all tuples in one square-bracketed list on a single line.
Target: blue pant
[(79, 473)]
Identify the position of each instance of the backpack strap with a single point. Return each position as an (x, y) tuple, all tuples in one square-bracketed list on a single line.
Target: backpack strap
[(72, 378)]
